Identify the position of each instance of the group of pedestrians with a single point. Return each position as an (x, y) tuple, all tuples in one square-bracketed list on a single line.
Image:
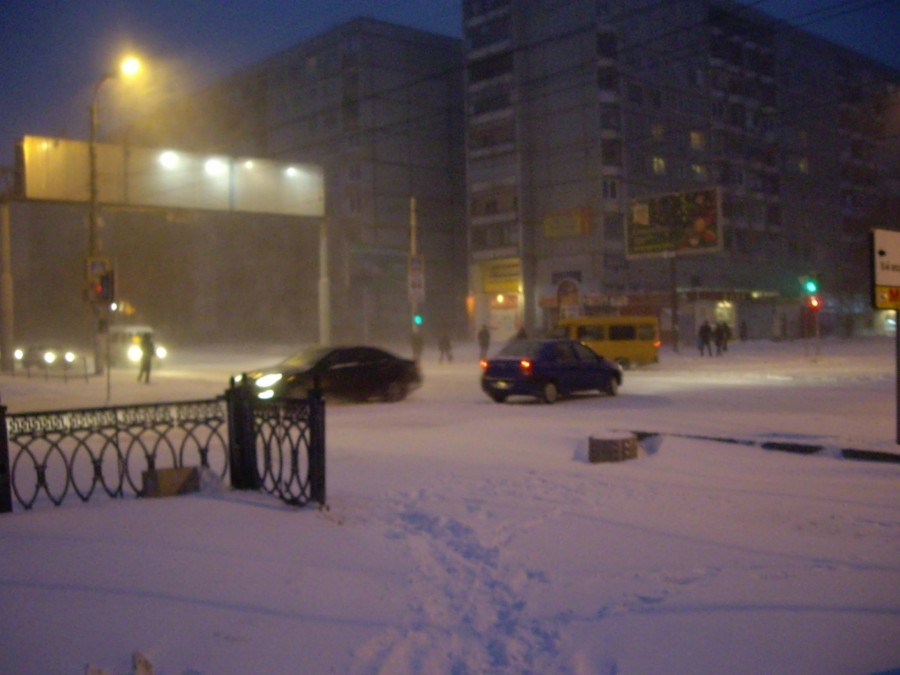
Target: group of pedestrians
[(709, 335), (445, 347)]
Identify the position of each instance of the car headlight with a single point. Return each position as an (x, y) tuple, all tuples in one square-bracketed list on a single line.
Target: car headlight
[(267, 394), (267, 381), (134, 353), (161, 352), (19, 354), (69, 357), (49, 357)]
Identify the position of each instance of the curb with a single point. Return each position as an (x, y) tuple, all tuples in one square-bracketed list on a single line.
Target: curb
[(783, 446)]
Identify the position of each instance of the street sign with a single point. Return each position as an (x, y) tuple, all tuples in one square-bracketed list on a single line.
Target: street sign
[(416, 278), (96, 267), (886, 269)]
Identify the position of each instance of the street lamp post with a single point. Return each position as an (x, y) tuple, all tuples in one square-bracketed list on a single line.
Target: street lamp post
[(128, 68)]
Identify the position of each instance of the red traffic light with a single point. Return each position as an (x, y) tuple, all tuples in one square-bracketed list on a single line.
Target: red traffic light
[(814, 302)]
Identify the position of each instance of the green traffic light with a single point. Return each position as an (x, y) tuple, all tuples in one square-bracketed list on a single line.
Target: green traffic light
[(811, 286), (417, 319)]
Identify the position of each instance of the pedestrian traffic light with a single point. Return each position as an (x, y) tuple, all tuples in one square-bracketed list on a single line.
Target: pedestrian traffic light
[(417, 319), (811, 284)]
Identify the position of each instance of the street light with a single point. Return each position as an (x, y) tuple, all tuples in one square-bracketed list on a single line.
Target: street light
[(128, 68)]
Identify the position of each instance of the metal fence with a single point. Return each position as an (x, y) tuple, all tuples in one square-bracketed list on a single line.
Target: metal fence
[(274, 446)]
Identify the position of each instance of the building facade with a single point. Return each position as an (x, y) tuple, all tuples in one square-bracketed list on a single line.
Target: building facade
[(575, 109), (378, 107)]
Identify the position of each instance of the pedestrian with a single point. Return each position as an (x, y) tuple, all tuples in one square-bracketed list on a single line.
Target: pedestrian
[(719, 337), (484, 341), (148, 349), (704, 338), (726, 335), (417, 342), (446, 350)]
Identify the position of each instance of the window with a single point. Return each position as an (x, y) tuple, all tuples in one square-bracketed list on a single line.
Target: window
[(698, 171), (698, 140), (610, 117), (607, 45), (608, 79), (491, 67), (657, 131), (611, 152), (622, 332), (610, 188), (659, 165)]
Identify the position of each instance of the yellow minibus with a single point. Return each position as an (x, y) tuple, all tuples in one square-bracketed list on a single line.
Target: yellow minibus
[(628, 340)]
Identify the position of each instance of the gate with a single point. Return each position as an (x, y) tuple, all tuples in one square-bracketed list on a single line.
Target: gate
[(275, 446)]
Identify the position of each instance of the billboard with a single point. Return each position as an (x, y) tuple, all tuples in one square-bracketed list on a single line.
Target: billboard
[(676, 223), (885, 269)]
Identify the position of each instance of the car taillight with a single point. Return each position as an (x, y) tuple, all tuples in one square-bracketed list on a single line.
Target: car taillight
[(484, 364), (525, 364), (657, 344)]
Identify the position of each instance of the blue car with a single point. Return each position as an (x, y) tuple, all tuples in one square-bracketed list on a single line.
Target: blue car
[(547, 370)]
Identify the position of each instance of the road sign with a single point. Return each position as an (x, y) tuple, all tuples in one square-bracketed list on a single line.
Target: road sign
[(416, 278), (886, 269)]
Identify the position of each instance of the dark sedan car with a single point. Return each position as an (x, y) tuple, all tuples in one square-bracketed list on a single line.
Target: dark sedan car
[(356, 373), (548, 369)]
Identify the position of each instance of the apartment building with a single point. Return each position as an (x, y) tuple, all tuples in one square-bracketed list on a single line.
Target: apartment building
[(378, 106), (576, 109)]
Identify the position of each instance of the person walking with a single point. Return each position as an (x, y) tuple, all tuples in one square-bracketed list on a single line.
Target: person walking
[(148, 349), (704, 338), (445, 349), (484, 341)]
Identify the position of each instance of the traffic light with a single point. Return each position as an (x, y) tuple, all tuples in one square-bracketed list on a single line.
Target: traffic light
[(811, 284), (105, 287), (813, 302), (417, 319)]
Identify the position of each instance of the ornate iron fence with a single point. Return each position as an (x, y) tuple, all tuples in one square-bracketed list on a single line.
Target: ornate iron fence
[(276, 446)]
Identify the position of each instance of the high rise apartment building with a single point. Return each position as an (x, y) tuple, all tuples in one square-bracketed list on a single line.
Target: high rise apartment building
[(378, 106), (574, 108)]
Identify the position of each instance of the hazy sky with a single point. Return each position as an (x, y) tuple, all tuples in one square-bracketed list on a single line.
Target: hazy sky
[(53, 52)]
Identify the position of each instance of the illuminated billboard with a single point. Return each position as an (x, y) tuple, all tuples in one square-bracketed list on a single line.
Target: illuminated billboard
[(680, 222)]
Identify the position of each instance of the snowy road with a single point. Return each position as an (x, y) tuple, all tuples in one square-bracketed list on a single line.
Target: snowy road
[(465, 536)]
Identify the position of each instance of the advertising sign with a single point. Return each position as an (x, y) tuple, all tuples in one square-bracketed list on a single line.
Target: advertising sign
[(681, 222), (886, 269)]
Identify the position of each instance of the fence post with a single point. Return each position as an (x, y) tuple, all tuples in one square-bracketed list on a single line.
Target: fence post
[(317, 447), (5, 472), (241, 437)]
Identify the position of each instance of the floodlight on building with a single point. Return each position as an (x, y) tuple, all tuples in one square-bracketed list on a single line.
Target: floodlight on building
[(168, 159), (215, 166)]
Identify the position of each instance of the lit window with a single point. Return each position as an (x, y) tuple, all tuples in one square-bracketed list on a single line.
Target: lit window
[(699, 171), (803, 165), (698, 140), (659, 166)]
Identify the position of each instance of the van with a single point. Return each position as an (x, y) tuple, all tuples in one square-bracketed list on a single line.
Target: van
[(628, 340)]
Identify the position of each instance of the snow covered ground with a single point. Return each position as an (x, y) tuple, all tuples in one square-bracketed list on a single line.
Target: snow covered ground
[(469, 537)]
